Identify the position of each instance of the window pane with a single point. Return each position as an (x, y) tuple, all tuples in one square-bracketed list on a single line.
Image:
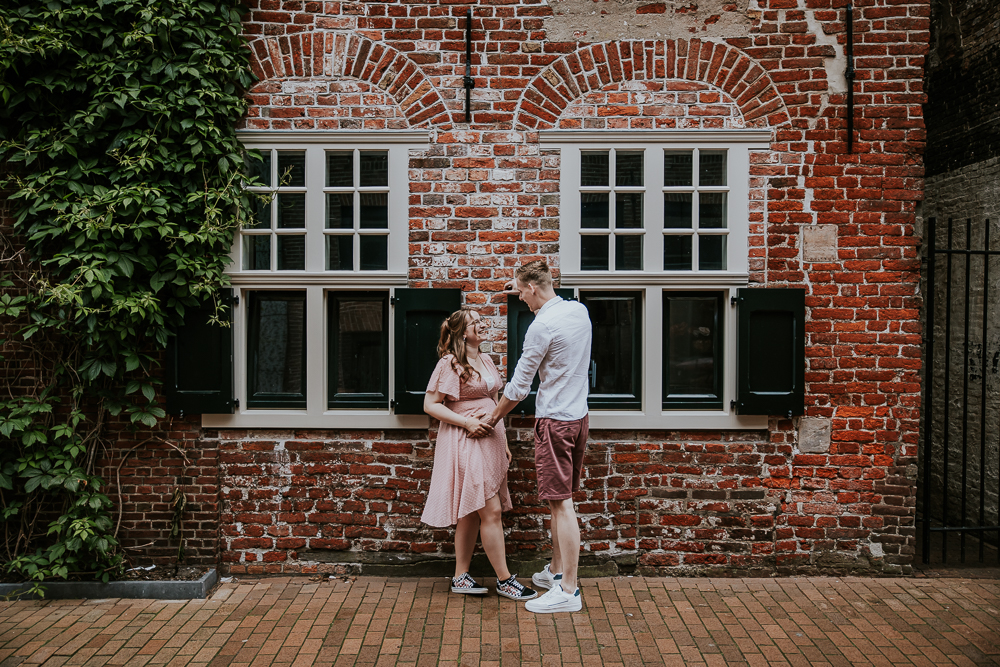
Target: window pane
[(276, 349), (374, 253), (291, 210), (340, 169), (594, 167), (292, 169), (712, 253), (614, 353), (259, 168), (594, 212), (712, 210), (711, 168), (261, 211), (628, 253), (257, 252), (594, 253), (374, 168), (359, 355), (340, 210), (677, 210), (291, 253), (628, 210), (677, 168), (628, 168), (340, 252), (374, 210), (676, 253), (692, 350)]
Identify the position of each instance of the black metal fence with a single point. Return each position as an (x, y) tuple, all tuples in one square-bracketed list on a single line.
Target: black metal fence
[(960, 461)]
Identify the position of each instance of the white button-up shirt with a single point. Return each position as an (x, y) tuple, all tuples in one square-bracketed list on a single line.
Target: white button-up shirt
[(557, 346)]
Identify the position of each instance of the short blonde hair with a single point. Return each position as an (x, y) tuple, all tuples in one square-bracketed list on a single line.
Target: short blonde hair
[(536, 272)]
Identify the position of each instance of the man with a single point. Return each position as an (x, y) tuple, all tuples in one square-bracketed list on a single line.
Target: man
[(557, 346)]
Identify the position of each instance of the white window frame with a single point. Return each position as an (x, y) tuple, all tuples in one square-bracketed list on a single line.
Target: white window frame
[(318, 283), (653, 282)]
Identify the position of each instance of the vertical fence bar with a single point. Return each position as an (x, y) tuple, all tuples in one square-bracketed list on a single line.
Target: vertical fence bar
[(982, 391), (946, 425), (965, 387), (925, 527)]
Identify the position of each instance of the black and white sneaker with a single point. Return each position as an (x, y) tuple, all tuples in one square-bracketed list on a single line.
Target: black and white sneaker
[(514, 589), (466, 584)]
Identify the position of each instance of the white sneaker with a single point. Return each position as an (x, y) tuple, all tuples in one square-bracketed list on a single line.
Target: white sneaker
[(545, 579), (556, 600)]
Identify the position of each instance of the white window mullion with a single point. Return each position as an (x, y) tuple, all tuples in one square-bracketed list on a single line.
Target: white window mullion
[(315, 208), (652, 344), (652, 210), (315, 350)]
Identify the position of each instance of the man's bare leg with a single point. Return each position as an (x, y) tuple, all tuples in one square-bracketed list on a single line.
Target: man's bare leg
[(565, 542)]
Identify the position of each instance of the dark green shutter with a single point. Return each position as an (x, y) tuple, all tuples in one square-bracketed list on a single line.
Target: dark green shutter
[(519, 318), (418, 317), (199, 362), (771, 352)]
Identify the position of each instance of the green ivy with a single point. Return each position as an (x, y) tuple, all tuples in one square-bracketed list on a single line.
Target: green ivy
[(122, 172)]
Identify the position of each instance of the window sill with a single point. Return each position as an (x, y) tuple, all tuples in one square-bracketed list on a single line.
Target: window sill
[(340, 419), (332, 278), (618, 279), (694, 420)]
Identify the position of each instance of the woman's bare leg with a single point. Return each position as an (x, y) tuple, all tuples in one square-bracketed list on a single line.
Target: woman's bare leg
[(491, 533), (466, 532)]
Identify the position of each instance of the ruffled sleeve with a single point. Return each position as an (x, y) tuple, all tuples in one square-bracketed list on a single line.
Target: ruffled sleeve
[(445, 379)]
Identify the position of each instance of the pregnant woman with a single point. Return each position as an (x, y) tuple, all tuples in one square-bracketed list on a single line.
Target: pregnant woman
[(469, 482)]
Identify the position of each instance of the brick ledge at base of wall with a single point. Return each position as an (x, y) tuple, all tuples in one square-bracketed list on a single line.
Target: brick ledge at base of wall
[(397, 565)]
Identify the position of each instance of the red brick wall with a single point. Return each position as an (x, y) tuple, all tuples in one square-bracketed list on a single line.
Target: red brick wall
[(142, 471), (485, 194)]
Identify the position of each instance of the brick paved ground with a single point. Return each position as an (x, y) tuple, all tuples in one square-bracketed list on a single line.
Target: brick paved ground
[(626, 621)]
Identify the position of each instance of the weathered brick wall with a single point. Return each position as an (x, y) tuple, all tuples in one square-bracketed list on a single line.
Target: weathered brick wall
[(143, 471), (656, 502), (485, 194)]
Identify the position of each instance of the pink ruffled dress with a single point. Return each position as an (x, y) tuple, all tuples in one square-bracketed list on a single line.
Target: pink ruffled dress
[(467, 471)]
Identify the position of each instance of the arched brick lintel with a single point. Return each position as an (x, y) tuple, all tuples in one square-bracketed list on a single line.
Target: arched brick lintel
[(321, 54), (593, 66)]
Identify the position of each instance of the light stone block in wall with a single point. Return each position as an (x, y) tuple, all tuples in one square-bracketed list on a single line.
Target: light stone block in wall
[(814, 435), (819, 243)]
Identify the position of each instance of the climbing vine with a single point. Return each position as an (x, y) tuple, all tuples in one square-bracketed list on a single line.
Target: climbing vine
[(121, 174)]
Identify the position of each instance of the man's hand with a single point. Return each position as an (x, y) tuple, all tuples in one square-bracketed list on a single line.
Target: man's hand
[(510, 287), (490, 418)]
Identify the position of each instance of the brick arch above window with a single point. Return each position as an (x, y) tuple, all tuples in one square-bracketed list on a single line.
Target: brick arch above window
[(593, 67), (669, 104), (320, 55)]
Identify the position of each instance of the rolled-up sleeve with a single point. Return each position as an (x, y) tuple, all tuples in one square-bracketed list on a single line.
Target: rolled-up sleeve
[(536, 345)]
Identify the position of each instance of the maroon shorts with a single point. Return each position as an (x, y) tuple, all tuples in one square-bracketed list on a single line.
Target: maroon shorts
[(559, 448)]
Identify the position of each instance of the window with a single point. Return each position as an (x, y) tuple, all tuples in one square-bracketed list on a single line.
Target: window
[(654, 241), (315, 276)]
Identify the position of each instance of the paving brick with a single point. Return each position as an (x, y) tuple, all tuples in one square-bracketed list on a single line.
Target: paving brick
[(626, 620)]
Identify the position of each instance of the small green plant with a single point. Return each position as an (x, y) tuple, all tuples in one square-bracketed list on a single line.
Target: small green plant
[(123, 182)]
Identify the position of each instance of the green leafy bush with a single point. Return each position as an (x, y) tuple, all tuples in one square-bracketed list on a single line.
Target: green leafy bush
[(122, 173)]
